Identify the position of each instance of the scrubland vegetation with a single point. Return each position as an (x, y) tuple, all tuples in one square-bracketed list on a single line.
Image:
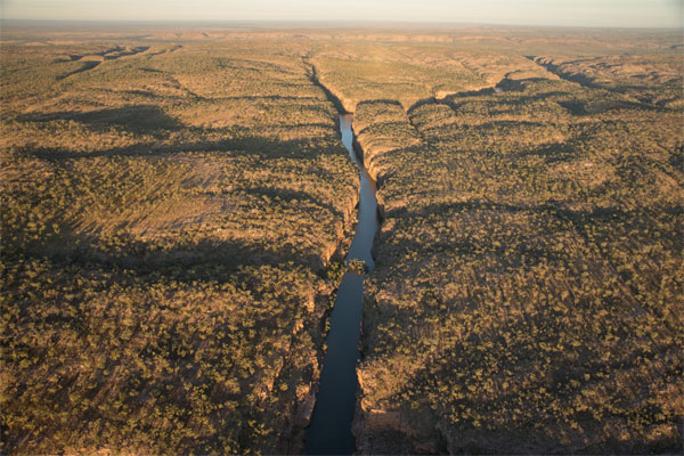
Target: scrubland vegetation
[(527, 295), (409, 72), (174, 206), (169, 220)]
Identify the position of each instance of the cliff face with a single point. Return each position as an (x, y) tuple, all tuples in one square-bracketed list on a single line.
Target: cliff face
[(497, 310), (382, 129), (172, 216), (171, 225)]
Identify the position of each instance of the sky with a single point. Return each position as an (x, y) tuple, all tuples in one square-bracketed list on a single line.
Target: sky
[(592, 13)]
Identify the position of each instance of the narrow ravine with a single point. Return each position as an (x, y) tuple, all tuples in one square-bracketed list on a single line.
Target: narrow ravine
[(330, 429)]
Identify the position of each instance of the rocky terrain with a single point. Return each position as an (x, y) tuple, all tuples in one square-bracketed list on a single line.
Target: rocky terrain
[(172, 225), (528, 285), (176, 206)]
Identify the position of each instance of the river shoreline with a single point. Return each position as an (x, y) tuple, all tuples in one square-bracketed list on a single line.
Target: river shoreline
[(330, 429)]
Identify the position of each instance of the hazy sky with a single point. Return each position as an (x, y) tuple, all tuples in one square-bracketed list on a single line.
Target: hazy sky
[(620, 13)]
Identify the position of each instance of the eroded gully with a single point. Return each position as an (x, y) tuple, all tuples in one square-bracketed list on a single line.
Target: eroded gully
[(330, 430)]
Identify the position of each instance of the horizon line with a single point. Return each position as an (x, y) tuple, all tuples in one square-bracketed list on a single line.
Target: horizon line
[(9, 20)]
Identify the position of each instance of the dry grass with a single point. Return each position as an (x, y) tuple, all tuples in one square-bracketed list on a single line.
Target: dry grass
[(172, 203), (168, 216), (527, 293)]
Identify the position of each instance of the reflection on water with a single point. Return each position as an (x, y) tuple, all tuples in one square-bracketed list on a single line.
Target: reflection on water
[(368, 209), (330, 429)]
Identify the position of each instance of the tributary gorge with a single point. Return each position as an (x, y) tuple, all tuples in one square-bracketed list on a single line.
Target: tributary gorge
[(174, 217)]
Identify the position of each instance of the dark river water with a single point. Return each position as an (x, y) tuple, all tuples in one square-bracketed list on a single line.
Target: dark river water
[(330, 428)]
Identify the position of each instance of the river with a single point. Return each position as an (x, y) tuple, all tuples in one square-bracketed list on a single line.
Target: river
[(330, 429)]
